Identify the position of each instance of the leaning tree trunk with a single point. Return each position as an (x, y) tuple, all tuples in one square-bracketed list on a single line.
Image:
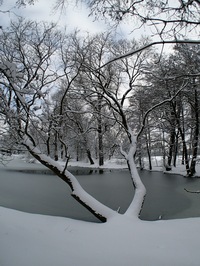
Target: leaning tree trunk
[(89, 156), (102, 212)]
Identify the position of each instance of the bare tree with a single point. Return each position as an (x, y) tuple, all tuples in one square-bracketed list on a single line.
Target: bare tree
[(165, 18), (28, 78)]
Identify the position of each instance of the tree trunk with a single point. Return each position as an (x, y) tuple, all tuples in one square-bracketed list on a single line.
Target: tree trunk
[(101, 155), (63, 154), (171, 146), (56, 147), (48, 139), (102, 212), (196, 135), (175, 150), (185, 153), (135, 207), (100, 131), (163, 148), (185, 158), (148, 145), (139, 154), (89, 156), (77, 151), (149, 155)]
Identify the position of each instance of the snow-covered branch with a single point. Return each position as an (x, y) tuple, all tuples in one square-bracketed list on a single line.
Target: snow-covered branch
[(135, 207), (101, 211), (135, 51)]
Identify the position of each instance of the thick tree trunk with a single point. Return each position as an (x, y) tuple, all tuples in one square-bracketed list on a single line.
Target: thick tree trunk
[(135, 207), (89, 156)]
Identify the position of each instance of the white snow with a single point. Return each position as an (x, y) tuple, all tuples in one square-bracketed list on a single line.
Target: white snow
[(157, 165), (30, 239), (39, 240)]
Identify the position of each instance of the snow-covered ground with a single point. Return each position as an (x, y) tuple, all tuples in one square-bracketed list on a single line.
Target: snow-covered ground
[(157, 165), (39, 240)]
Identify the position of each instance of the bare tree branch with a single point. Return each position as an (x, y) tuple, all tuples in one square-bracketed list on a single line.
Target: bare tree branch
[(133, 52)]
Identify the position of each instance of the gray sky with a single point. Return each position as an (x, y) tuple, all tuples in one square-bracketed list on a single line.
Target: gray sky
[(42, 10), (74, 16)]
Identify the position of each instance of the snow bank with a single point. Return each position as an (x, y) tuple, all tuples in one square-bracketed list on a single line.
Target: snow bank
[(30, 239)]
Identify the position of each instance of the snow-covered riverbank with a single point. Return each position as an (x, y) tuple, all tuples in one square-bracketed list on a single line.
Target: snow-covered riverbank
[(30, 239)]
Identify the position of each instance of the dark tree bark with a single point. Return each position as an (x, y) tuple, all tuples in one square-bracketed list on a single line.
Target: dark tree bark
[(100, 130), (176, 150), (196, 134), (171, 146), (148, 146), (89, 156), (56, 147)]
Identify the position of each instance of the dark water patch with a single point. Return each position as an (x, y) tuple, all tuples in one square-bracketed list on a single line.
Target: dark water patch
[(164, 199), (39, 191), (32, 171)]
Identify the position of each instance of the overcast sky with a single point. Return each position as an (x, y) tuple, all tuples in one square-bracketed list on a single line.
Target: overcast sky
[(74, 16), (43, 10)]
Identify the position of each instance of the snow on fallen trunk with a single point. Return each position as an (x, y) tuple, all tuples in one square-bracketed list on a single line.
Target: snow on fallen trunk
[(98, 209)]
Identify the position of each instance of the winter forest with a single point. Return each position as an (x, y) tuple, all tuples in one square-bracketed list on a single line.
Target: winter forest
[(55, 87), (89, 97), (77, 96), (74, 96)]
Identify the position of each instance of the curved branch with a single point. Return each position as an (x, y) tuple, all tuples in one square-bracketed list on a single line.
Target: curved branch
[(158, 105), (148, 46)]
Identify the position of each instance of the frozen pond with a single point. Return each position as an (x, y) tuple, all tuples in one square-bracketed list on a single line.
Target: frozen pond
[(33, 189)]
